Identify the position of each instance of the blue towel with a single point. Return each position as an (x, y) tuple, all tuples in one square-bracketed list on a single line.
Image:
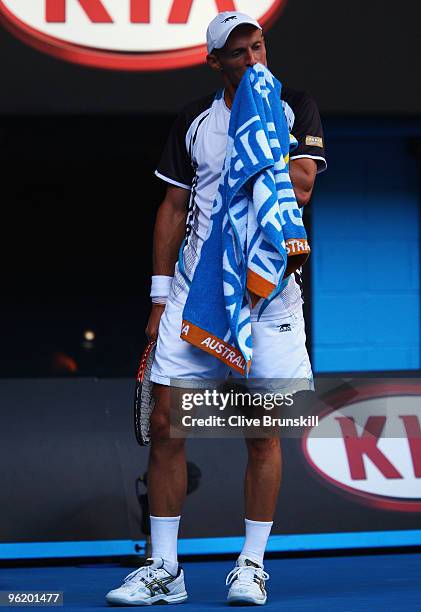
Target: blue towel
[(256, 235)]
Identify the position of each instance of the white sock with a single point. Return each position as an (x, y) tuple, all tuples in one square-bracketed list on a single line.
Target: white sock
[(257, 533), (164, 533)]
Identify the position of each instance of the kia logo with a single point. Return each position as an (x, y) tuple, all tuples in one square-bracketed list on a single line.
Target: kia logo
[(368, 445), (142, 35)]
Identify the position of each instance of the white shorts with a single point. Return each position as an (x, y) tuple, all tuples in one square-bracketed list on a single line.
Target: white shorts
[(279, 352)]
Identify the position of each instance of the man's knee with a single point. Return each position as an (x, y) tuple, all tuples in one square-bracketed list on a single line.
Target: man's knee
[(160, 417), (160, 421), (160, 424), (260, 448), (161, 440)]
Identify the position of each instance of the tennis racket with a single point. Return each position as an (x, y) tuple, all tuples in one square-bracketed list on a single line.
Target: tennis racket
[(143, 398)]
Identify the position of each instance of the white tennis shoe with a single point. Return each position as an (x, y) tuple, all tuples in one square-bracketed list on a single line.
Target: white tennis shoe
[(247, 583), (148, 585)]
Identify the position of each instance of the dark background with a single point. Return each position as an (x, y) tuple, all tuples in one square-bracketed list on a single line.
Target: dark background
[(79, 204)]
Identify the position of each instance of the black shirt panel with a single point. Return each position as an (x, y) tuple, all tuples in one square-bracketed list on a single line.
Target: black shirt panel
[(175, 163), (307, 127)]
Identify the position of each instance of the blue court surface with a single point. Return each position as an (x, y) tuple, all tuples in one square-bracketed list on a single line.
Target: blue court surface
[(377, 582)]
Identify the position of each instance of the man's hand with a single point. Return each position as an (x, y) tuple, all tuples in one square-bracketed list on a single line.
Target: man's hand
[(152, 327)]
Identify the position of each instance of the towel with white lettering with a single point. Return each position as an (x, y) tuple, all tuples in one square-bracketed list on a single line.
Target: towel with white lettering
[(256, 237)]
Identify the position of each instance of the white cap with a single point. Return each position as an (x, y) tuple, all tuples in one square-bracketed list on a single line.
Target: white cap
[(221, 27)]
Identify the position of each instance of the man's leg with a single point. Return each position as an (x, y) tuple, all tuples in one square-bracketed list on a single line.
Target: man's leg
[(263, 478), (160, 580), (262, 482), (282, 357), (167, 481), (167, 472)]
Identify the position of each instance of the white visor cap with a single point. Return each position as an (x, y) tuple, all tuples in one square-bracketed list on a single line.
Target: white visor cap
[(221, 27)]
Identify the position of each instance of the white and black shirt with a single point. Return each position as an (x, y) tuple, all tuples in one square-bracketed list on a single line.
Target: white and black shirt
[(194, 156)]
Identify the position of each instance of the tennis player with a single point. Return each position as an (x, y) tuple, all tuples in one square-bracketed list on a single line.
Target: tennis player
[(191, 166)]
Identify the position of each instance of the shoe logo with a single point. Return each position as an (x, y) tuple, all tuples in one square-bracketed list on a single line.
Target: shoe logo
[(155, 586), (261, 584), (286, 327), (229, 19)]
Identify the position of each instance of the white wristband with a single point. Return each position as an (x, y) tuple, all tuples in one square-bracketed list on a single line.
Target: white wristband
[(161, 286)]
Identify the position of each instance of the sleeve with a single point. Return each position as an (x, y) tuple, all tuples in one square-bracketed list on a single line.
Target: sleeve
[(308, 131), (175, 166)]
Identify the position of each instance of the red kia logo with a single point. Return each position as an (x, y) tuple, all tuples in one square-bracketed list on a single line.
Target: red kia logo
[(368, 445), (125, 34)]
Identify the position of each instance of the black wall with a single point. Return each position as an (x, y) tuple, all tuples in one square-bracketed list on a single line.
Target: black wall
[(70, 463), (78, 207)]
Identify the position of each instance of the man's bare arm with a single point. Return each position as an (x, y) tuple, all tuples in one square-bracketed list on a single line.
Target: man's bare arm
[(303, 175), (170, 227)]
